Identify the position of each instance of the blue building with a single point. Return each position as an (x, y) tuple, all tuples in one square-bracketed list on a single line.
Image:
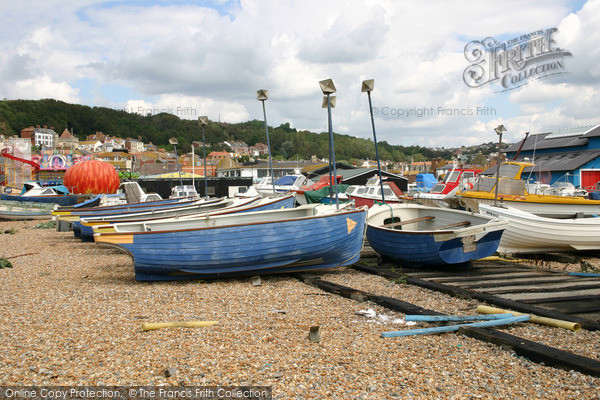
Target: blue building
[(565, 155)]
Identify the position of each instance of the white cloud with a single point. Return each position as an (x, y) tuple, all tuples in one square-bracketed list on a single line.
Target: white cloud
[(42, 87), (213, 59), (187, 107)]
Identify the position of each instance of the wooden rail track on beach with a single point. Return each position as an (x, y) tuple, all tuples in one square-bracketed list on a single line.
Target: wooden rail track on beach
[(531, 290), (533, 351)]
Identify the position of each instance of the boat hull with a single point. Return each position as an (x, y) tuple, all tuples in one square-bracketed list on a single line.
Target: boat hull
[(530, 233), (420, 244), (288, 245), (14, 210), (546, 205), (67, 200), (369, 202)]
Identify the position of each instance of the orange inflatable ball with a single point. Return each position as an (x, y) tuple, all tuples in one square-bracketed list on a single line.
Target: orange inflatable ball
[(92, 176)]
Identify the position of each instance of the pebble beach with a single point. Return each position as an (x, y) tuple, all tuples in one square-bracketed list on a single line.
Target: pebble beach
[(72, 313)]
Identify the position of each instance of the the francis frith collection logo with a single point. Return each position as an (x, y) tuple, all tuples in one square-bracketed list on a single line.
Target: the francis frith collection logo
[(516, 62)]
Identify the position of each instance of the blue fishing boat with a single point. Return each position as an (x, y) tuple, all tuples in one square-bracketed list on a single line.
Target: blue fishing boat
[(418, 236), (225, 206), (303, 238)]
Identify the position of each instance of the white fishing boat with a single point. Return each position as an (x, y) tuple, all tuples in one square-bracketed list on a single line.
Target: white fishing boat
[(284, 184), (458, 178), (368, 194), (183, 191), (532, 233)]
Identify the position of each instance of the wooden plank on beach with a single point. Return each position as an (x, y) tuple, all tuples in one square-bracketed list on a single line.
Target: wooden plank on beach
[(545, 289), (513, 282), (505, 276), (491, 299), (351, 293), (564, 299), (534, 351)]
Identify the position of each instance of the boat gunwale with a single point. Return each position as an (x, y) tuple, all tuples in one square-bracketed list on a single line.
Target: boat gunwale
[(340, 212), (90, 210), (150, 213), (198, 215), (526, 216), (493, 222)]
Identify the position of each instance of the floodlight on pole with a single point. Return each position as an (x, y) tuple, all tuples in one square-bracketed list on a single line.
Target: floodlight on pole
[(203, 121), (262, 95), (174, 143), (499, 130), (328, 88), (367, 87)]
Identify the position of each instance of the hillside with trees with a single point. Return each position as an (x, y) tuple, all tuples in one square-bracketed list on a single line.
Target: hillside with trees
[(286, 142)]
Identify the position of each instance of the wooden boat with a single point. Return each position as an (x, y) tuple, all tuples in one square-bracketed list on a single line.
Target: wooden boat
[(418, 235), (531, 233), (33, 192), (147, 209), (284, 184), (321, 183), (303, 238), (183, 191), (458, 178), (72, 214), (515, 191), (367, 195), (19, 210), (227, 206)]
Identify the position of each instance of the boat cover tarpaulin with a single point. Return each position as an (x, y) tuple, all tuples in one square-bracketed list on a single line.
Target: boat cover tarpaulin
[(425, 181), (315, 196), (287, 180)]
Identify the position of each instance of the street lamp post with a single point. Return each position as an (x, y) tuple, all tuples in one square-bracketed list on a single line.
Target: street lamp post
[(499, 130), (263, 95), (174, 142), (203, 121), (328, 88), (367, 86)]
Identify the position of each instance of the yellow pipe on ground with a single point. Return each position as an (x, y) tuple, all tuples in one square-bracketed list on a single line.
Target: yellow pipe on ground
[(151, 326), (572, 326), (496, 258)]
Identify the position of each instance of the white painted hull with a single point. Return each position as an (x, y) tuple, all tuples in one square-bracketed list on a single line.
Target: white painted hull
[(547, 209), (530, 233)]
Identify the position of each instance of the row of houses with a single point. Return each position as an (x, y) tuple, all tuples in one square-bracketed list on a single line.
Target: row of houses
[(567, 154)]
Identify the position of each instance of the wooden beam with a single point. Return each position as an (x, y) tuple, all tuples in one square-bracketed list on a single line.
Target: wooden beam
[(534, 351), (591, 297), (455, 225), (408, 221), (491, 299), (351, 293)]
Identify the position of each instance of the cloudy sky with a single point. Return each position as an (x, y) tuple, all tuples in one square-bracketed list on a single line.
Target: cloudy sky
[(195, 58)]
